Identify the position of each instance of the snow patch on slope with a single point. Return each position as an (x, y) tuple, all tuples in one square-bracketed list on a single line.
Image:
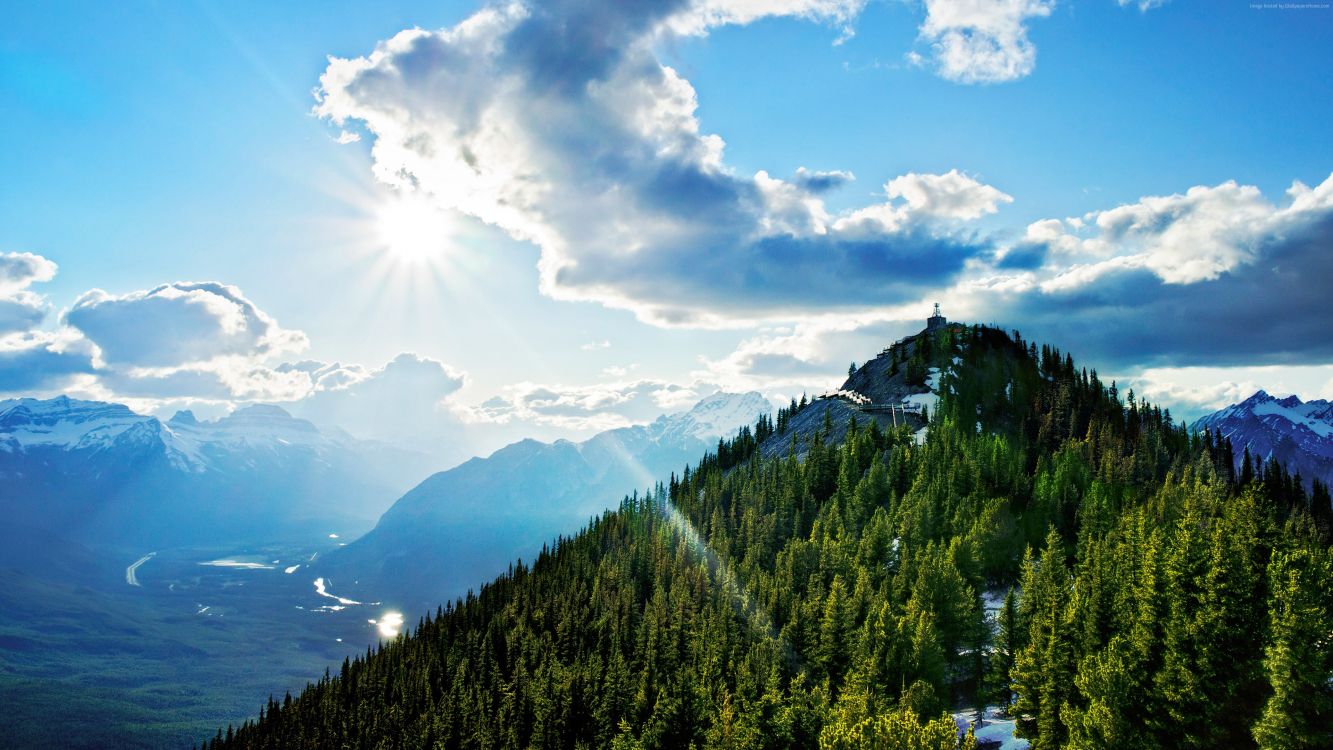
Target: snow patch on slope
[(1297, 415), (927, 400)]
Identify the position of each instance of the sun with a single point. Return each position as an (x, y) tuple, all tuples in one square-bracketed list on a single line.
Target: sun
[(411, 230)]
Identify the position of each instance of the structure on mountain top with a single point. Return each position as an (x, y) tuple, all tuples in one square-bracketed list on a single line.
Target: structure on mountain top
[(935, 321)]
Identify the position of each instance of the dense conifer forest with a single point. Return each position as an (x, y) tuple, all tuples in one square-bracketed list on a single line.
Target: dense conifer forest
[(1144, 593)]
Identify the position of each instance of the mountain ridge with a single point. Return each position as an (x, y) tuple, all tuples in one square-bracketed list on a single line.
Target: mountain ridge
[(100, 473), (475, 518), (1288, 430)]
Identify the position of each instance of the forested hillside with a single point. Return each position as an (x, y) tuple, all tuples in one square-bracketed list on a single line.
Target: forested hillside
[(1152, 596)]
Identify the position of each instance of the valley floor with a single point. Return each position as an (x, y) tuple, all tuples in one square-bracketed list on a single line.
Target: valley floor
[(160, 652)]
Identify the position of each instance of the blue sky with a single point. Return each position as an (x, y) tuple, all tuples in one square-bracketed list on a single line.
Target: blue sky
[(154, 143)]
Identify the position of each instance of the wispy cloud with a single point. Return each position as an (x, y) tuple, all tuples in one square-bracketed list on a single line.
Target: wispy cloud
[(1143, 5), (589, 408)]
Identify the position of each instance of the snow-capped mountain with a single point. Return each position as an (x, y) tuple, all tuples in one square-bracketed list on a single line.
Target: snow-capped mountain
[(196, 444), (716, 416), (97, 471), (465, 524), (63, 423), (69, 424), (1299, 434)]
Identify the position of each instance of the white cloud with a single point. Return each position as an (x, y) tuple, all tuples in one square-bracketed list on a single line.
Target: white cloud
[(923, 200), (811, 356), (403, 401), (558, 124), (186, 340), (38, 361), (226, 379), (1189, 401), (20, 309), (1144, 5), (1216, 275), (1182, 238), (982, 41), (1191, 392), (584, 409), (1083, 274), (19, 270), (698, 17), (1052, 233), (595, 345), (953, 195), (1190, 237), (177, 324)]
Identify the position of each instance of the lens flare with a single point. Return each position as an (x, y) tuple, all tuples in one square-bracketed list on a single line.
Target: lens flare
[(390, 624)]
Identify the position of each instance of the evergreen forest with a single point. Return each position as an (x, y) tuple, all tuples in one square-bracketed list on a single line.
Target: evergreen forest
[(1040, 542)]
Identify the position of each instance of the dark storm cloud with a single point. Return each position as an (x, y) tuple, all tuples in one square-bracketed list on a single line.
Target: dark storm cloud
[(1275, 310)]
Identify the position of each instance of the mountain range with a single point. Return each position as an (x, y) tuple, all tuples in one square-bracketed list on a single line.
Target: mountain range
[(849, 481), (97, 472), (1295, 433), (880, 585), (89, 488)]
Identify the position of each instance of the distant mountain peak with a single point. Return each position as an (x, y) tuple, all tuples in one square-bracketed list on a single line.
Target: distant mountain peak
[(1260, 396), (72, 424), (1289, 430), (144, 475), (59, 405), (184, 417), (68, 423), (260, 411), (717, 415), (723, 402)]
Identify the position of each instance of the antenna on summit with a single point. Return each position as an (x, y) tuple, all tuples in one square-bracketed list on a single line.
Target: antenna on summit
[(936, 320)]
